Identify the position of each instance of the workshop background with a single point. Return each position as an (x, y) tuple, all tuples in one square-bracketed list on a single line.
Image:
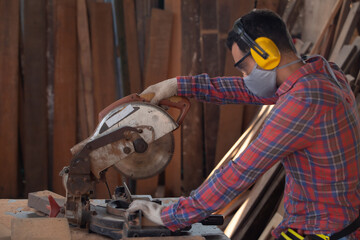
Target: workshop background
[(63, 61)]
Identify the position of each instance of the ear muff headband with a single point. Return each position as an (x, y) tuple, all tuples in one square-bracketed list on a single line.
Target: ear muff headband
[(263, 50)]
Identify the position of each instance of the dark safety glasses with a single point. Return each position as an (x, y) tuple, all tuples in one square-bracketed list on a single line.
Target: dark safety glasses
[(237, 64)]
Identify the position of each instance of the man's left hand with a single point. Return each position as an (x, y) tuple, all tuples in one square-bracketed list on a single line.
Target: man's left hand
[(151, 210)]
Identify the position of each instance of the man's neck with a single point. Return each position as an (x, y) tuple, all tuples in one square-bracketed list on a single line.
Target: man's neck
[(284, 73)]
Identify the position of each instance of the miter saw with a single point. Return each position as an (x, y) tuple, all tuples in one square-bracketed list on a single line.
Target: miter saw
[(136, 138)]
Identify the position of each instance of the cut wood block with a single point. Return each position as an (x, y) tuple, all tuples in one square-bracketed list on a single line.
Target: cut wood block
[(39, 200), (40, 228), (9, 95)]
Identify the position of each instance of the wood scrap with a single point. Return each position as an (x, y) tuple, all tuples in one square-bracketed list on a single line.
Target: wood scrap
[(39, 200), (40, 228), (344, 55), (5, 233), (9, 87)]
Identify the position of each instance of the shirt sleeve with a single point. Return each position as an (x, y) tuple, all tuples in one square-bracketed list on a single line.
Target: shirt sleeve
[(288, 128), (219, 90)]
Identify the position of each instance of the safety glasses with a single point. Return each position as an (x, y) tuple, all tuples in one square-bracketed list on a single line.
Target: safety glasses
[(237, 64)]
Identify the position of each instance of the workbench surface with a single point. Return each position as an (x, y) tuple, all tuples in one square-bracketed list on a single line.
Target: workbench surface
[(11, 208)]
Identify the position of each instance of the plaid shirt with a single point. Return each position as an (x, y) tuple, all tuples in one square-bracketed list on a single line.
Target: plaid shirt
[(313, 130)]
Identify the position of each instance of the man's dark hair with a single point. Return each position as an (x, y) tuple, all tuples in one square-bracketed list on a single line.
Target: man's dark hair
[(262, 23)]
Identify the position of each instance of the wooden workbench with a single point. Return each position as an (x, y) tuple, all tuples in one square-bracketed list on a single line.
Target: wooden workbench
[(10, 209)]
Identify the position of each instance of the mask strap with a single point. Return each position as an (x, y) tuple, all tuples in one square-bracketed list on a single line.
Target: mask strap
[(290, 63), (331, 72)]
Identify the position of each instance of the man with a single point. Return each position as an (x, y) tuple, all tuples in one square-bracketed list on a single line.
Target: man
[(313, 130)]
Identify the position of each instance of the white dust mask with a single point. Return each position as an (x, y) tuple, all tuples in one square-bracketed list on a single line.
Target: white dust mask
[(262, 82)]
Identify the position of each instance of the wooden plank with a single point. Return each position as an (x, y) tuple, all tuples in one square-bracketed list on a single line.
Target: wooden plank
[(85, 81), (173, 170), (344, 12), (210, 65), (102, 43), (64, 87), (347, 30), (292, 13), (257, 191), (311, 34), (156, 69), (143, 14), (231, 115), (345, 54), (34, 101), (319, 12), (132, 49), (40, 228), (192, 130), (264, 207), (9, 87)]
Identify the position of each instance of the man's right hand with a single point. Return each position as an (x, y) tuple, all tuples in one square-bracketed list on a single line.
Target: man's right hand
[(162, 90)]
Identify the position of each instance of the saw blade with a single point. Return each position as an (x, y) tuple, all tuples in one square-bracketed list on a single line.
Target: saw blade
[(149, 163)]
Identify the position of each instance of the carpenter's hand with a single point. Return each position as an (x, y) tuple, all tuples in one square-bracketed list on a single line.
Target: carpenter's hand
[(151, 210), (162, 90)]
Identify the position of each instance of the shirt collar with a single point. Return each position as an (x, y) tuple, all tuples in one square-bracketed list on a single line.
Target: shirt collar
[(313, 65)]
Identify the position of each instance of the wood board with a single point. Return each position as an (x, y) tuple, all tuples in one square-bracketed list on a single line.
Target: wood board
[(65, 81), (102, 43), (35, 131), (156, 70), (9, 93)]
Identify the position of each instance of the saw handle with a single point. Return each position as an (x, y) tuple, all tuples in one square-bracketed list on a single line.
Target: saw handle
[(181, 103)]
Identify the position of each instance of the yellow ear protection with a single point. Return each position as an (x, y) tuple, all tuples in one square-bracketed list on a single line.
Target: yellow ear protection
[(263, 49)]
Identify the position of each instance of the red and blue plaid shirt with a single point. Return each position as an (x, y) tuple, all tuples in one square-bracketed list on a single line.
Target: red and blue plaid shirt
[(313, 130)]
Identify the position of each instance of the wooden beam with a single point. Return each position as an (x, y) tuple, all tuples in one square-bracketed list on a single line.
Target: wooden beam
[(102, 43), (347, 30), (65, 81), (9, 93)]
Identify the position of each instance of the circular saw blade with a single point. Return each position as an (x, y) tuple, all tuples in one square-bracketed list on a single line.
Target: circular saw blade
[(149, 163)]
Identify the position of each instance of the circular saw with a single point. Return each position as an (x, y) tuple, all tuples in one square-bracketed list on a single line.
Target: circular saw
[(134, 136)]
